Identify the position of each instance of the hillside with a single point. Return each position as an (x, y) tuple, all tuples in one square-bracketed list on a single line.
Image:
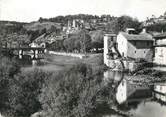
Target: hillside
[(41, 25), (18, 32)]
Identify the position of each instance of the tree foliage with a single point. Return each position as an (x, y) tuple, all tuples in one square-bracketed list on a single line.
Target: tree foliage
[(80, 42), (123, 22), (157, 27), (75, 92), (97, 39), (8, 69), (24, 91)]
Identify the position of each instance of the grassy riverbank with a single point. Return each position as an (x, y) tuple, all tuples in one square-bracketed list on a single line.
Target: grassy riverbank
[(56, 62)]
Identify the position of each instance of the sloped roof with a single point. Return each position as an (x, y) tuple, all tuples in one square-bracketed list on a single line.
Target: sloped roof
[(137, 37), (160, 36), (41, 38)]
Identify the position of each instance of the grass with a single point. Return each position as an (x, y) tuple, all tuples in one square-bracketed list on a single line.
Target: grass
[(56, 62)]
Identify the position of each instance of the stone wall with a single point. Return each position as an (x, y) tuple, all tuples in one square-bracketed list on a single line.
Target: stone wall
[(81, 56)]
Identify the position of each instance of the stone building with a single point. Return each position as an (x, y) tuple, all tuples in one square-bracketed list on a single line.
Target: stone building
[(160, 49), (135, 46)]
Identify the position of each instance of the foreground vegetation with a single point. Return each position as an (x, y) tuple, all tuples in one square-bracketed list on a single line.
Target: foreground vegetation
[(76, 91)]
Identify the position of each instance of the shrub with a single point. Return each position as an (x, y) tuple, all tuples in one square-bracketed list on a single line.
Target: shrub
[(75, 92), (24, 90), (8, 69)]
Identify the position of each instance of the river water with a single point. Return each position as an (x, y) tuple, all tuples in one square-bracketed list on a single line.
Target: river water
[(135, 100)]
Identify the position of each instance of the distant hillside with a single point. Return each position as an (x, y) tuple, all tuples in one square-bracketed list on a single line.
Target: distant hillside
[(41, 25), (12, 31)]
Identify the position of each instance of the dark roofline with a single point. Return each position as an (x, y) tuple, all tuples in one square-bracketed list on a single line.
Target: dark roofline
[(160, 36), (128, 39), (139, 40), (159, 45)]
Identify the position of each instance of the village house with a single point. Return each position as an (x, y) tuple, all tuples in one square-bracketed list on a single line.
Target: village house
[(160, 91), (160, 49), (135, 46), (109, 40), (38, 42)]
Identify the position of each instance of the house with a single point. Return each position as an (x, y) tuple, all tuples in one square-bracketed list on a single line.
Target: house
[(160, 91), (135, 46), (109, 40), (160, 49)]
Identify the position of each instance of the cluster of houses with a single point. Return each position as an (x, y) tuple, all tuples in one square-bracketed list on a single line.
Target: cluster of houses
[(93, 24), (132, 46)]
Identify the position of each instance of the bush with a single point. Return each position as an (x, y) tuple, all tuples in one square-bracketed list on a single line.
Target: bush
[(74, 92), (24, 90), (8, 69)]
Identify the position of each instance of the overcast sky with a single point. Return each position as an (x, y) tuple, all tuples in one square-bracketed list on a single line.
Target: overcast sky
[(31, 10)]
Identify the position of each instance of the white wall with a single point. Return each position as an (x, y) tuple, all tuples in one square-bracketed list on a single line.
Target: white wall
[(81, 56), (160, 55), (122, 44), (161, 89), (161, 42)]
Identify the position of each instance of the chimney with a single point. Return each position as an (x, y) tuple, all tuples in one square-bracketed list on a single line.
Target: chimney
[(144, 30)]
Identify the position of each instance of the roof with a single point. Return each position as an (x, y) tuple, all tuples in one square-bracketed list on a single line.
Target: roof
[(160, 36), (137, 37)]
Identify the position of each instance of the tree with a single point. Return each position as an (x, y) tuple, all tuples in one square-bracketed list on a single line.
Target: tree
[(69, 44), (123, 22), (97, 39), (85, 41), (8, 69), (159, 27), (80, 41), (24, 91)]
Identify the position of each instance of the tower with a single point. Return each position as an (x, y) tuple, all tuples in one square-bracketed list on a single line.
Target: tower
[(109, 39)]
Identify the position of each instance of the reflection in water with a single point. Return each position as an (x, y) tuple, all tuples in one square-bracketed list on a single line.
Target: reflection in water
[(149, 109), (131, 92), (28, 61), (121, 92), (113, 76), (139, 101)]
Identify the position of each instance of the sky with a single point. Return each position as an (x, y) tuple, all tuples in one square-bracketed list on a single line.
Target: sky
[(31, 10)]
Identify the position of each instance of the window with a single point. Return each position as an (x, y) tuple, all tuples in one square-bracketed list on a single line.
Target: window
[(112, 38), (147, 43), (135, 51), (135, 43)]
